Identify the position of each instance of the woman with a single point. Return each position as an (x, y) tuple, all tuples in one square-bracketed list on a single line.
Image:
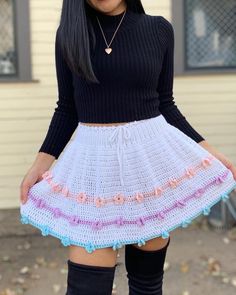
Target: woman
[(136, 168)]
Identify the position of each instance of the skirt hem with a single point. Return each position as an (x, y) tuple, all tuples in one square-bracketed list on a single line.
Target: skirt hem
[(90, 247)]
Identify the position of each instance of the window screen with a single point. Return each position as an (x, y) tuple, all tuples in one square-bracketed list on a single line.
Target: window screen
[(7, 39), (210, 33)]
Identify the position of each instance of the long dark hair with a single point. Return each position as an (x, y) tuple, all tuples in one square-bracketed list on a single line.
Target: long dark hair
[(76, 36)]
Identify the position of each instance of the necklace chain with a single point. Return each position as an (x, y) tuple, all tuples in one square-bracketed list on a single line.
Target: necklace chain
[(109, 49)]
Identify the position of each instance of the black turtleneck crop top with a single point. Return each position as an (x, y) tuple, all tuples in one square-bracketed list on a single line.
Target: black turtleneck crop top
[(136, 79)]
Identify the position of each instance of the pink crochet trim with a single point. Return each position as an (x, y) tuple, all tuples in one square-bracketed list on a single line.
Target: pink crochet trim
[(119, 199), (140, 221)]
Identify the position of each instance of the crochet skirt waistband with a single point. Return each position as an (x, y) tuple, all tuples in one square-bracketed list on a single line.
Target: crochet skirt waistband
[(122, 135), (125, 184), (135, 131)]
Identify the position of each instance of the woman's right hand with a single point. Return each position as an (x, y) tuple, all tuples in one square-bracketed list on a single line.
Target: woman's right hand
[(42, 163)]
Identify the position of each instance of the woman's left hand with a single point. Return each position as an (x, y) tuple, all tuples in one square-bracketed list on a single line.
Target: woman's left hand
[(219, 156)]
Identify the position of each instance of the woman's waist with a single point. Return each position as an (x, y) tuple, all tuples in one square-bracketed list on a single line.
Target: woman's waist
[(111, 120), (133, 131), (102, 124)]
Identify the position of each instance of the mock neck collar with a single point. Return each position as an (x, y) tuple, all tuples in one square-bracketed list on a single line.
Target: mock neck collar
[(110, 22)]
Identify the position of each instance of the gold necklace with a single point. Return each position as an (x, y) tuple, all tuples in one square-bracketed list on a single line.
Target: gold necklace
[(108, 50)]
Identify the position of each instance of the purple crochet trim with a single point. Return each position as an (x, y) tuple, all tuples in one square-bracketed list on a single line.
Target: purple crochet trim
[(96, 225)]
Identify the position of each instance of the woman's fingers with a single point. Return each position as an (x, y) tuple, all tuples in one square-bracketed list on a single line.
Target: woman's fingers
[(29, 180), (42, 163), (227, 163), (25, 186), (220, 156), (230, 166)]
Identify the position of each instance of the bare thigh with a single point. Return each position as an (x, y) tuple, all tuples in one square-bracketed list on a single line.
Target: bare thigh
[(99, 257), (153, 244), (108, 256)]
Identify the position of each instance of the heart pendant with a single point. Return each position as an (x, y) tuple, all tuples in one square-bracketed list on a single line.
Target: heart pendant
[(108, 50)]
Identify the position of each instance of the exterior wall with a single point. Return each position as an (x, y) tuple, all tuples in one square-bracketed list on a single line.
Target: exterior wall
[(207, 101), (26, 108)]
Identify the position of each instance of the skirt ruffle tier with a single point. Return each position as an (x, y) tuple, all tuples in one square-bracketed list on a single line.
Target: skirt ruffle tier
[(125, 184)]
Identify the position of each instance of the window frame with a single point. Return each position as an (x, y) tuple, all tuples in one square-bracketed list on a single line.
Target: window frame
[(21, 26), (178, 10)]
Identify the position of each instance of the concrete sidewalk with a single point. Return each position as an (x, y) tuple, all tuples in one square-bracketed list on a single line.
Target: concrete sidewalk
[(199, 261)]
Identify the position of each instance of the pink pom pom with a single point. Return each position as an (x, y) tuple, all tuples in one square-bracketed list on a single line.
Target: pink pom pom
[(81, 197), (56, 187), (206, 162), (139, 197), (65, 191), (47, 175), (119, 199), (99, 201), (173, 182), (158, 191), (190, 172)]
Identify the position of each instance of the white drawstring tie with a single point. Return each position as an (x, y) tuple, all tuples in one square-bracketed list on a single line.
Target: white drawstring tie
[(121, 133)]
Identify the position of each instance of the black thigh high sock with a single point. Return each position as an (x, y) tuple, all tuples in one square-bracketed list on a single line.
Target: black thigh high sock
[(85, 279), (145, 270)]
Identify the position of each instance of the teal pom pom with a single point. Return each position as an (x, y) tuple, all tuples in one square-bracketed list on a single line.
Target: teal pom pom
[(45, 230), (224, 197), (89, 248), (165, 234), (186, 223), (116, 245), (65, 241), (24, 219), (141, 242), (206, 211)]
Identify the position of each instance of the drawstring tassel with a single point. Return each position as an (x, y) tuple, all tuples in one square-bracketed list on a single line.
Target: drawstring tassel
[(120, 134)]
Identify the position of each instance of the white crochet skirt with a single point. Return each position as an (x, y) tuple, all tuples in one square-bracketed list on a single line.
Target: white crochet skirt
[(125, 184)]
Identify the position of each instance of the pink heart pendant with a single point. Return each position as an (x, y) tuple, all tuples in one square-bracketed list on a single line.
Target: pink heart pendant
[(108, 50)]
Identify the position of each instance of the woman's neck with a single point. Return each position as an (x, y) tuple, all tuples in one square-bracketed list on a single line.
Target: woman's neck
[(118, 10), (109, 22)]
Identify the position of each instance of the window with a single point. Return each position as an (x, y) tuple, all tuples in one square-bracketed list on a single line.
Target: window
[(15, 63), (7, 49), (205, 34)]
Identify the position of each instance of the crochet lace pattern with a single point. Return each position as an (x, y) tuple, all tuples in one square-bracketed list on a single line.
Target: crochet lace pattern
[(73, 219), (120, 199), (126, 184), (90, 247)]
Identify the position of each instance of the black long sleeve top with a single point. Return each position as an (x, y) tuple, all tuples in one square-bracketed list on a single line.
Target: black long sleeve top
[(136, 79)]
